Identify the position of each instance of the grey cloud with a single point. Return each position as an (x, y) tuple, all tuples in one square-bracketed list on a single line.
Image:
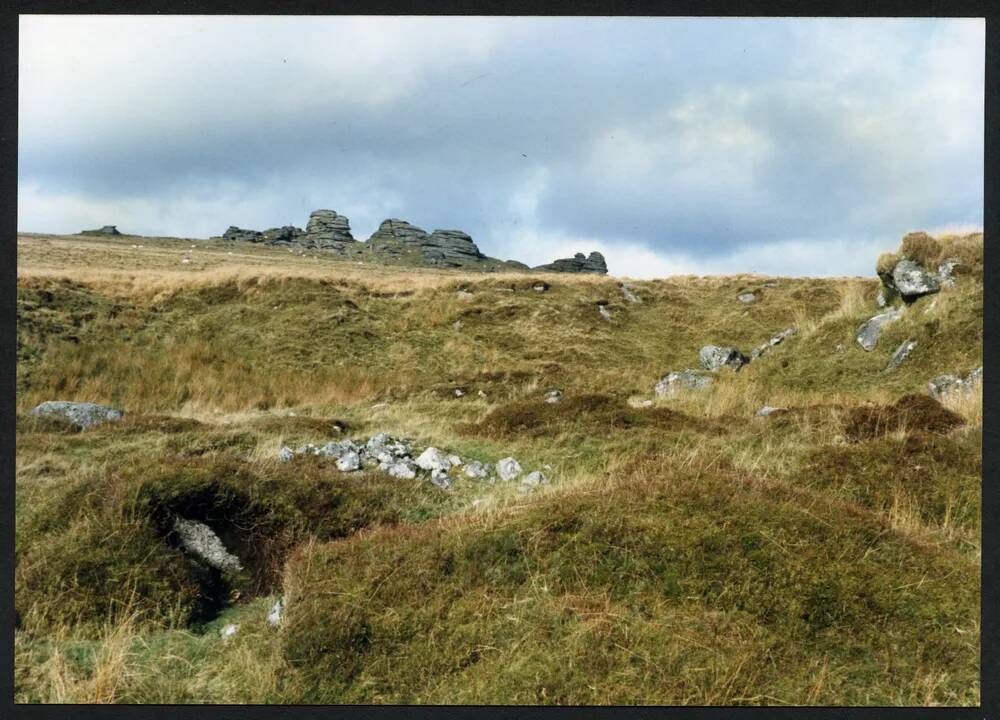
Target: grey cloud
[(451, 144)]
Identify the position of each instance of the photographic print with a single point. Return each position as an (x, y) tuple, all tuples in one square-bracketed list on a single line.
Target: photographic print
[(441, 360)]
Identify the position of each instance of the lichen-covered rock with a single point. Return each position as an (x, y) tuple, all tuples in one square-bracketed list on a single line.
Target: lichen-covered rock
[(477, 470), (81, 414), (871, 330), (676, 382), (508, 468), (943, 384), (553, 396), (946, 271), (715, 357), (200, 540), (579, 263), (440, 478), (769, 410), (900, 354), (336, 448), (628, 293), (402, 469), (775, 340), (947, 384), (328, 231), (277, 610), (434, 460), (442, 248), (349, 461), (534, 479), (911, 280)]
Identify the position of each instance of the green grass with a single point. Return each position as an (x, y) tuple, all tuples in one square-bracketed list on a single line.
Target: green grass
[(687, 552)]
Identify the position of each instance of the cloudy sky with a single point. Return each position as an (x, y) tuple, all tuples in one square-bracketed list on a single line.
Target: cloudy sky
[(796, 147)]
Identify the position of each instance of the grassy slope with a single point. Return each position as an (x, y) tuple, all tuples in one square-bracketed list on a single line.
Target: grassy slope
[(687, 554)]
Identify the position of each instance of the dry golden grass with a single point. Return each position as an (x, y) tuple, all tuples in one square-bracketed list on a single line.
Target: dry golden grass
[(968, 403)]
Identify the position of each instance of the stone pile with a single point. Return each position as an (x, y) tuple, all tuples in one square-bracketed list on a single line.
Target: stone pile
[(399, 458)]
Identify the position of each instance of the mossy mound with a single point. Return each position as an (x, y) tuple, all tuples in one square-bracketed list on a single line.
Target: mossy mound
[(87, 550), (591, 413), (614, 595)]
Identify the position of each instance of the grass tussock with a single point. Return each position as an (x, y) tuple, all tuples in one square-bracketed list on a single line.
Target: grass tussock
[(642, 579), (581, 413), (910, 412)]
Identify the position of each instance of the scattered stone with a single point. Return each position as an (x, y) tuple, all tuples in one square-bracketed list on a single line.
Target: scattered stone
[(901, 353), (477, 470), (198, 539), (229, 630), (603, 310), (775, 340), (629, 295), (714, 357), (274, 617), (747, 297), (688, 379), (286, 454), (481, 394), (463, 294), (870, 331), (459, 392), (768, 410), (81, 414), (455, 460), (540, 286), (457, 325), (349, 461), (534, 479), (594, 263), (508, 468), (553, 396)]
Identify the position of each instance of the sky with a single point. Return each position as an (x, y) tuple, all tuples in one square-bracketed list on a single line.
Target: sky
[(800, 147)]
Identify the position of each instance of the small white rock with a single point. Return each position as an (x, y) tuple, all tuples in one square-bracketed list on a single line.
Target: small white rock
[(229, 630), (508, 468), (534, 478), (286, 454), (433, 459), (274, 617), (349, 461)]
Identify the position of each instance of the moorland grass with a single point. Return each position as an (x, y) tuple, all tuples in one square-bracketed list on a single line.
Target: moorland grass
[(686, 552)]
